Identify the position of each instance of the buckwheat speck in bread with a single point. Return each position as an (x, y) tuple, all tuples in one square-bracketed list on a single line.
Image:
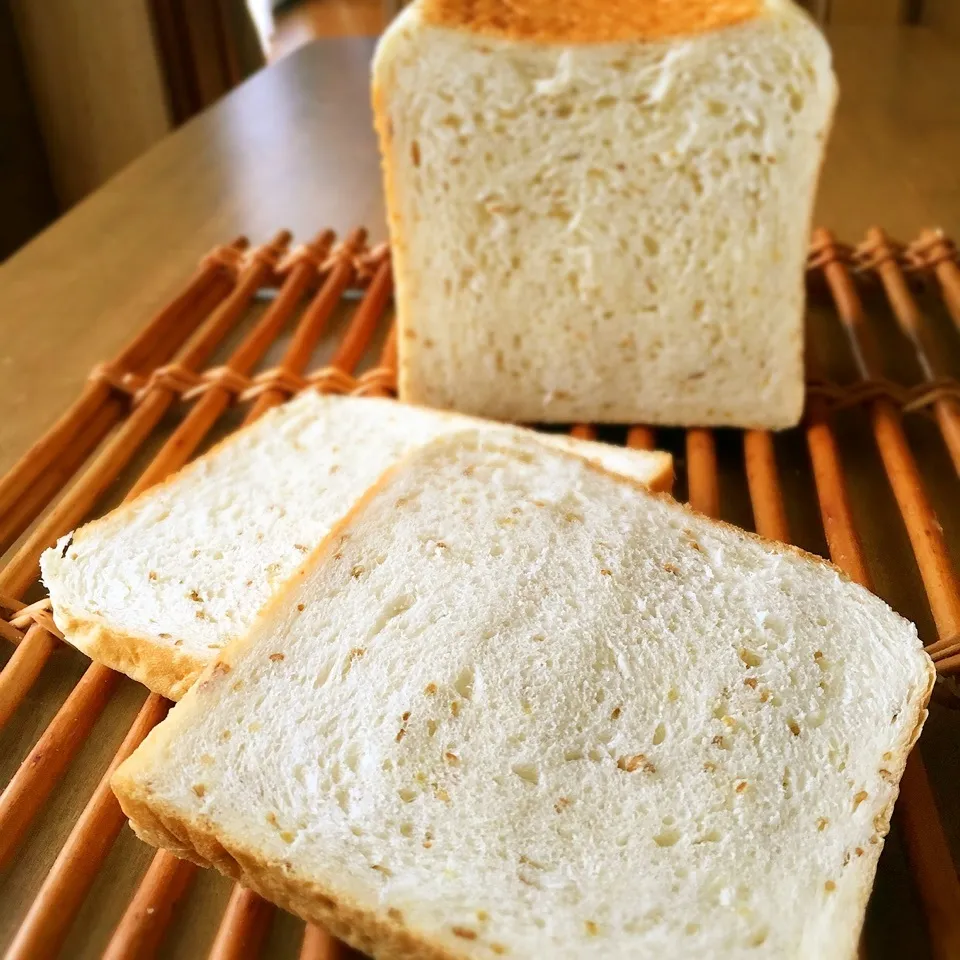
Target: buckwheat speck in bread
[(158, 586), (600, 211), (516, 706)]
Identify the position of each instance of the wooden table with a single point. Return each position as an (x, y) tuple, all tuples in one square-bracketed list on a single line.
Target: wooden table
[(294, 147)]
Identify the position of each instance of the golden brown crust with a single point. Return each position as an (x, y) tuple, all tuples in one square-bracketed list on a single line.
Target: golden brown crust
[(158, 665), (589, 21), (664, 482), (362, 928), (398, 248)]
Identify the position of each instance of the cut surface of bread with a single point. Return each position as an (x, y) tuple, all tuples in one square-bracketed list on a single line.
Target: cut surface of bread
[(155, 588), (603, 231), (516, 706)]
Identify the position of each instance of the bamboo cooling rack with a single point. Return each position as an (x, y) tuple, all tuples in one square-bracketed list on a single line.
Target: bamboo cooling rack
[(869, 479)]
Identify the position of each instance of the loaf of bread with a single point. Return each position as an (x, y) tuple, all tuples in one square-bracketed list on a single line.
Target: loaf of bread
[(156, 588), (515, 706), (600, 211)]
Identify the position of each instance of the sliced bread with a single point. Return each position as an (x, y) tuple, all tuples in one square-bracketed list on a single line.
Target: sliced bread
[(516, 706), (600, 211), (158, 586)]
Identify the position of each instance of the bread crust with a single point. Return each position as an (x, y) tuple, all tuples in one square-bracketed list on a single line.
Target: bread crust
[(197, 838), (587, 21), (277, 881), (161, 667)]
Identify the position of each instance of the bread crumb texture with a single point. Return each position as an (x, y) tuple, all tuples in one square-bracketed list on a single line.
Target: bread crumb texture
[(587, 21), (159, 586), (603, 232), (463, 790)]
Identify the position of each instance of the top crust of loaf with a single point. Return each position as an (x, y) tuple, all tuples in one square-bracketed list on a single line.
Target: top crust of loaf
[(588, 21)]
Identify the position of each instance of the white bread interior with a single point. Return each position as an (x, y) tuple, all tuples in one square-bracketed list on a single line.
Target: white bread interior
[(158, 586), (516, 706), (606, 232)]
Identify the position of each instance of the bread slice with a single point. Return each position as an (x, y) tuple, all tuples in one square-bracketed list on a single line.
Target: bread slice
[(516, 706), (156, 588), (600, 212)]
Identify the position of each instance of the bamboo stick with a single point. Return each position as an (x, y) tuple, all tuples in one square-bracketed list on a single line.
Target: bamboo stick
[(923, 528), (23, 668), (36, 777), (948, 662), (313, 322), (140, 355), (145, 921), (9, 632), (365, 320), (835, 511), (763, 482), (703, 489), (926, 535), (319, 945), (915, 329), (30, 504), (940, 252), (925, 840), (641, 438), (152, 347), (43, 930), (388, 357), (929, 852), (244, 926)]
